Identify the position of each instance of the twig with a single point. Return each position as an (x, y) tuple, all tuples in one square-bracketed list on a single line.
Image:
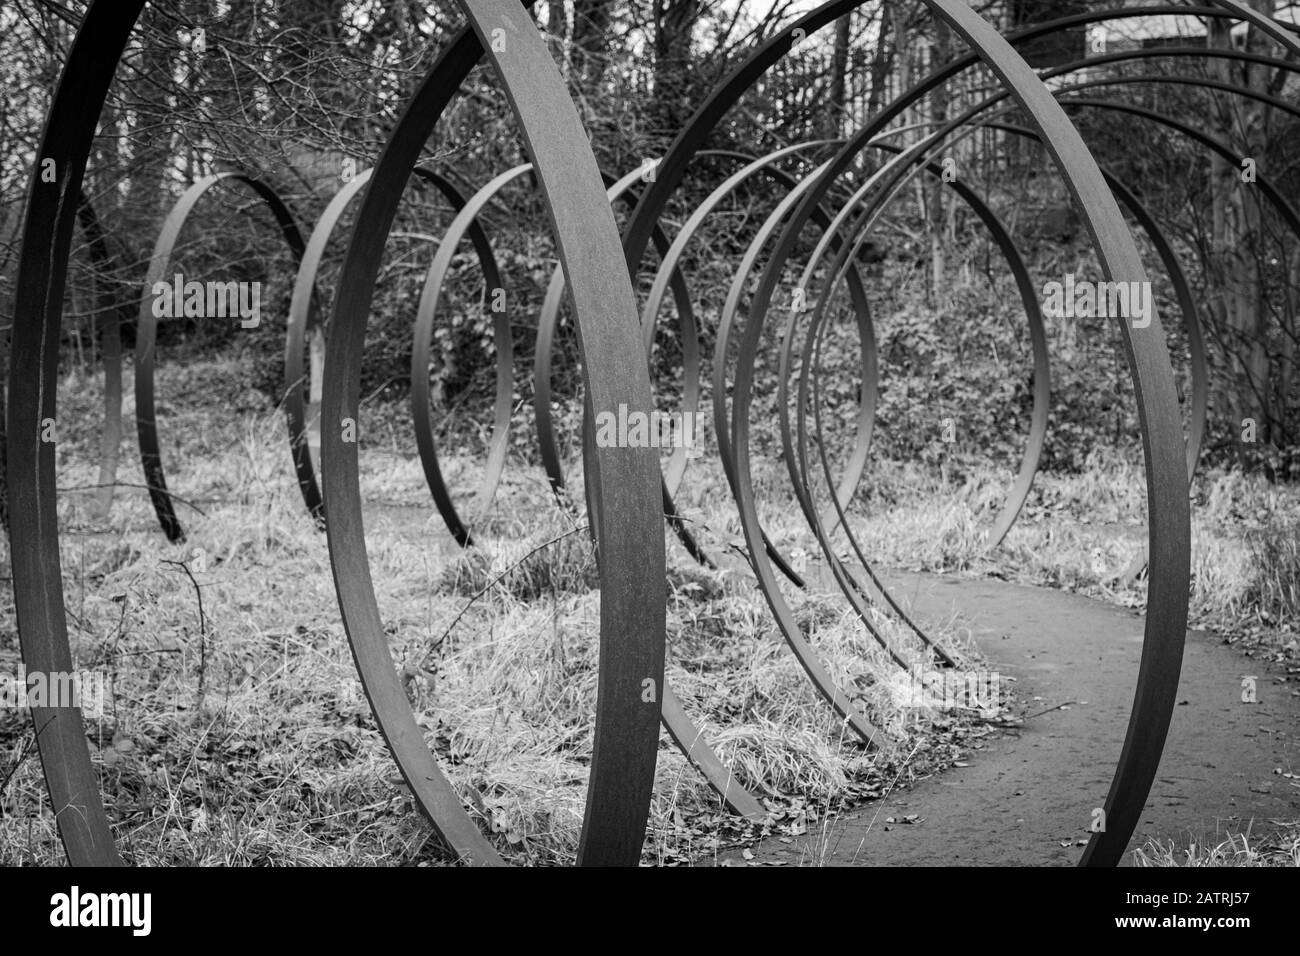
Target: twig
[(130, 484), (1050, 709), (497, 580), (203, 625), (23, 752)]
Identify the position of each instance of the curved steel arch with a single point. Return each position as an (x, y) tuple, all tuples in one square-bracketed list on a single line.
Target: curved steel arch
[(671, 169), (625, 480), (466, 221), (1199, 373), (797, 460), (1019, 492), (689, 738), (303, 321), (626, 731), (42, 273), (1170, 518), (1192, 324), (821, 219), (1121, 775), (864, 426), (668, 265), (779, 214), (147, 330), (621, 482), (669, 173), (547, 323)]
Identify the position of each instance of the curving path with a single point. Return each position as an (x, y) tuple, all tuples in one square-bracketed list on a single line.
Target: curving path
[(1034, 787)]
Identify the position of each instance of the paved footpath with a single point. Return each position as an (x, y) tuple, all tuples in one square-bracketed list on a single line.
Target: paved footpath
[(1033, 788)]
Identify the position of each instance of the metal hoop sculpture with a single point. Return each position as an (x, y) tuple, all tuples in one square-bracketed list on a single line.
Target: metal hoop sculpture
[(1191, 321), (797, 462), (548, 322), (1177, 276), (815, 673), (466, 220), (1029, 463), (1019, 492), (42, 273), (688, 231), (690, 739), (623, 485), (1170, 520), (147, 331), (624, 480), (627, 724), (302, 323)]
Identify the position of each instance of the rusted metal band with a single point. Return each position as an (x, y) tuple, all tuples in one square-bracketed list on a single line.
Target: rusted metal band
[(688, 231), (1030, 457), (626, 507), (691, 138), (543, 354), (48, 226), (1159, 416), (747, 360), (304, 322), (721, 414), (621, 482), (1192, 325), (854, 589), (690, 740), (466, 221), (147, 330)]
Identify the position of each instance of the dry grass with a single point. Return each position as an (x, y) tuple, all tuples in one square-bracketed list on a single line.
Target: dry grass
[(1239, 849), (243, 737), (278, 759)]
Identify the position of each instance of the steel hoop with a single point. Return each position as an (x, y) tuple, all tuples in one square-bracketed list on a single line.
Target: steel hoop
[(630, 539), (621, 482), (147, 331), (688, 231), (1169, 512), (797, 461), (466, 221), (302, 321), (48, 225), (548, 322)]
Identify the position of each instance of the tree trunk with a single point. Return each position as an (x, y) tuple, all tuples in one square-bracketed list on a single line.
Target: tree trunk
[(940, 52), (833, 120), (673, 23)]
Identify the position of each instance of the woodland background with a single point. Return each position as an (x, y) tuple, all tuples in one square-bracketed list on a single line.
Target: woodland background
[(299, 92)]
